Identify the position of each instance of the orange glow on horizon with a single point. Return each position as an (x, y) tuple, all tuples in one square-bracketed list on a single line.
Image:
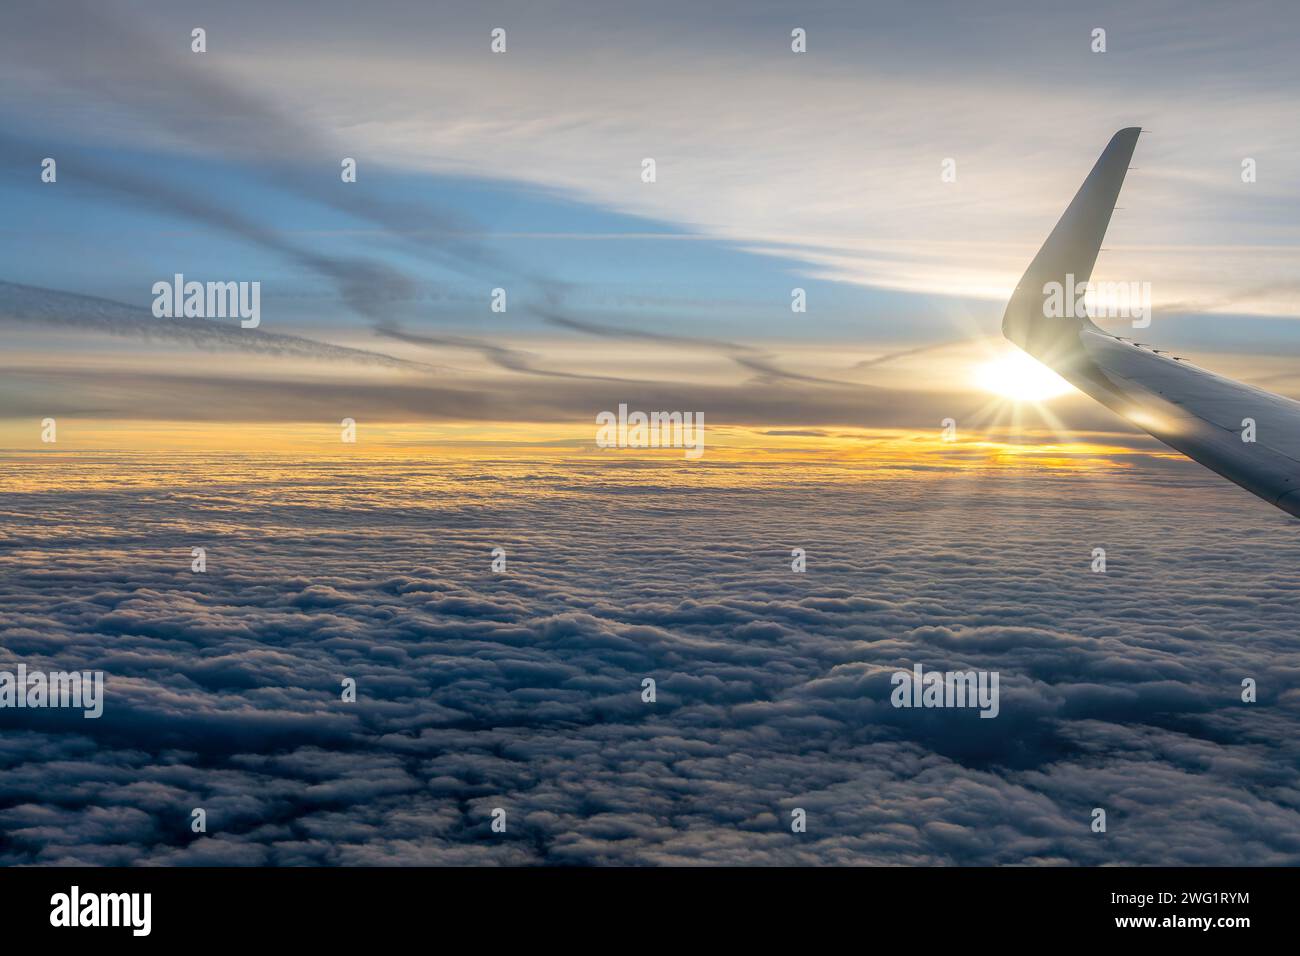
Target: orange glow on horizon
[(882, 448)]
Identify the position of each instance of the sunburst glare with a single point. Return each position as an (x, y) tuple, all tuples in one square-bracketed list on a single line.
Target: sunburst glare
[(1019, 377)]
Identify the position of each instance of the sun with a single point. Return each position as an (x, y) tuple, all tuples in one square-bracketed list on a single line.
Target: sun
[(1016, 376)]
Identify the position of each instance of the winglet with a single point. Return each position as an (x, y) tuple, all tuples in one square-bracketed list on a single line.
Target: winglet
[(1070, 250)]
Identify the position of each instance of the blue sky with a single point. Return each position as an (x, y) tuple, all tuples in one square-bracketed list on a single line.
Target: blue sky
[(610, 264), (775, 170)]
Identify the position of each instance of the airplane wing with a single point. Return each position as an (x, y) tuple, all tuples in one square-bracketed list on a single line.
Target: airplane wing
[(1196, 412)]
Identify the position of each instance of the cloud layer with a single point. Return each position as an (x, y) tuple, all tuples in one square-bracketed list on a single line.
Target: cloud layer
[(522, 690)]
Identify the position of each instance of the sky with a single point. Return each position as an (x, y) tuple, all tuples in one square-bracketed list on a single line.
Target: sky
[(969, 546), (522, 171)]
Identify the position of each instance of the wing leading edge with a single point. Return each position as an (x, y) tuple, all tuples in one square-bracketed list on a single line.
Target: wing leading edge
[(1193, 411)]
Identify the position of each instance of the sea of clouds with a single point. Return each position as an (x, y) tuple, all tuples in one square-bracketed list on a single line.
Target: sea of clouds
[(522, 690)]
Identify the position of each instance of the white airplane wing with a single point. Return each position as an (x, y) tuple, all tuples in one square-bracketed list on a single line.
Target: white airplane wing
[(1196, 412)]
